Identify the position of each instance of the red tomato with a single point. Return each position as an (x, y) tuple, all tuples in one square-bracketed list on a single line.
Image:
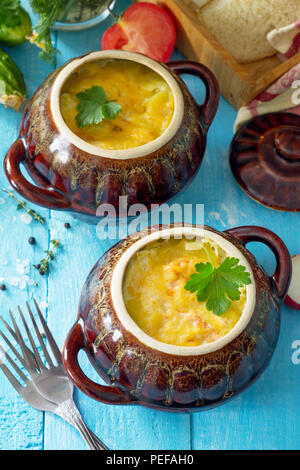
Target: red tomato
[(144, 28)]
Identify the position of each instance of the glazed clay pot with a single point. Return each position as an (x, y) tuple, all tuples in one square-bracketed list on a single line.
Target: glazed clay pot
[(142, 370), (71, 174)]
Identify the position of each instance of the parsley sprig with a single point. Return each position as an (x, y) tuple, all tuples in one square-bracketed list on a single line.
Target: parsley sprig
[(94, 106), (218, 286)]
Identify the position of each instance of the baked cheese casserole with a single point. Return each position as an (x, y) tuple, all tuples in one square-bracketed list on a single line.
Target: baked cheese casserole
[(147, 103), (156, 299)]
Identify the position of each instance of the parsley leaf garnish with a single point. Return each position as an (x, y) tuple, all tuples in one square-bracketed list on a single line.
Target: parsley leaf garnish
[(94, 106), (218, 286)]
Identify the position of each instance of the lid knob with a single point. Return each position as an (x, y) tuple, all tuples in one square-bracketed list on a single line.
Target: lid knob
[(287, 143)]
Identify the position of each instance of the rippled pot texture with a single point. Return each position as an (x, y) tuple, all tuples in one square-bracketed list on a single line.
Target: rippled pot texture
[(81, 181), (138, 374)]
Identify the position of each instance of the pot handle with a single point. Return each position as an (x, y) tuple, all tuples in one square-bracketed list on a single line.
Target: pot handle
[(283, 271), (104, 393), (45, 197), (209, 108)]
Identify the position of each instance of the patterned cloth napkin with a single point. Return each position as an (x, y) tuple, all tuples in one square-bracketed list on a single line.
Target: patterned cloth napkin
[(284, 94)]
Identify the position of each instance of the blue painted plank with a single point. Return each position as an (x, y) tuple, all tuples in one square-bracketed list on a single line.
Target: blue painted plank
[(21, 427)]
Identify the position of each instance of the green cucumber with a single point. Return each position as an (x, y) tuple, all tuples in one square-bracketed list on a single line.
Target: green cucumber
[(12, 85), (13, 35)]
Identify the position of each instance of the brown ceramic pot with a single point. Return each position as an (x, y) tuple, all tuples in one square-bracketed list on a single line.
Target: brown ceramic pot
[(70, 174), (142, 370)]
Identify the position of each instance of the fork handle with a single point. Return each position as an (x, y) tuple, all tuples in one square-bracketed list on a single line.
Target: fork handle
[(70, 413)]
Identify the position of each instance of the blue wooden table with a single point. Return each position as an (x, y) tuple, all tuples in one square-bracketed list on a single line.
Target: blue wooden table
[(266, 416)]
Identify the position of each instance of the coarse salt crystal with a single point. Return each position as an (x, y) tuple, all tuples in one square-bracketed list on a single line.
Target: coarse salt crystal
[(23, 267), (26, 218)]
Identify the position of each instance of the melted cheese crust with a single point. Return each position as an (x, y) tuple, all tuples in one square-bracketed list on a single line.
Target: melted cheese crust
[(146, 99), (155, 297)]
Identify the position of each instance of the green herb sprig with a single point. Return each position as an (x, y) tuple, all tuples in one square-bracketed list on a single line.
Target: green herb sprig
[(49, 12), (94, 106), (218, 286), (22, 205), (44, 263)]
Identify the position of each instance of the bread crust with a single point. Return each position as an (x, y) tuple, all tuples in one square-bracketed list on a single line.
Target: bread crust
[(241, 27)]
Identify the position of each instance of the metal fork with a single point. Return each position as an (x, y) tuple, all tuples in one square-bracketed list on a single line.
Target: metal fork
[(50, 389)]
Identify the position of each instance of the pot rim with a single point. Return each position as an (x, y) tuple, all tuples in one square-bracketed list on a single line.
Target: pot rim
[(130, 325), (124, 154)]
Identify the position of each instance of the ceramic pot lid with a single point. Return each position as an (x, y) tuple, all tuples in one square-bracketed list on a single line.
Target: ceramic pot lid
[(265, 160)]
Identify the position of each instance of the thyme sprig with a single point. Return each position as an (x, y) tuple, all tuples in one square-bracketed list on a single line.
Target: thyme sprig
[(22, 205), (44, 263)]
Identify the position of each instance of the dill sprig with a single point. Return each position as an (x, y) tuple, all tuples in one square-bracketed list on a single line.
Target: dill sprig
[(44, 263), (49, 12), (22, 205)]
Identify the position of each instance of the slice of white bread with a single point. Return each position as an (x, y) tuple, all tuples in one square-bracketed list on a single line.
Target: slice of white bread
[(241, 26)]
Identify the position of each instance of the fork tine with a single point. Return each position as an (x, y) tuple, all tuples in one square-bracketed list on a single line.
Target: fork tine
[(23, 347), (35, 350), (13, 348), (30, 353), (55, 349), (48, 358), (13, 364), (9, 328), (17, 386)]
